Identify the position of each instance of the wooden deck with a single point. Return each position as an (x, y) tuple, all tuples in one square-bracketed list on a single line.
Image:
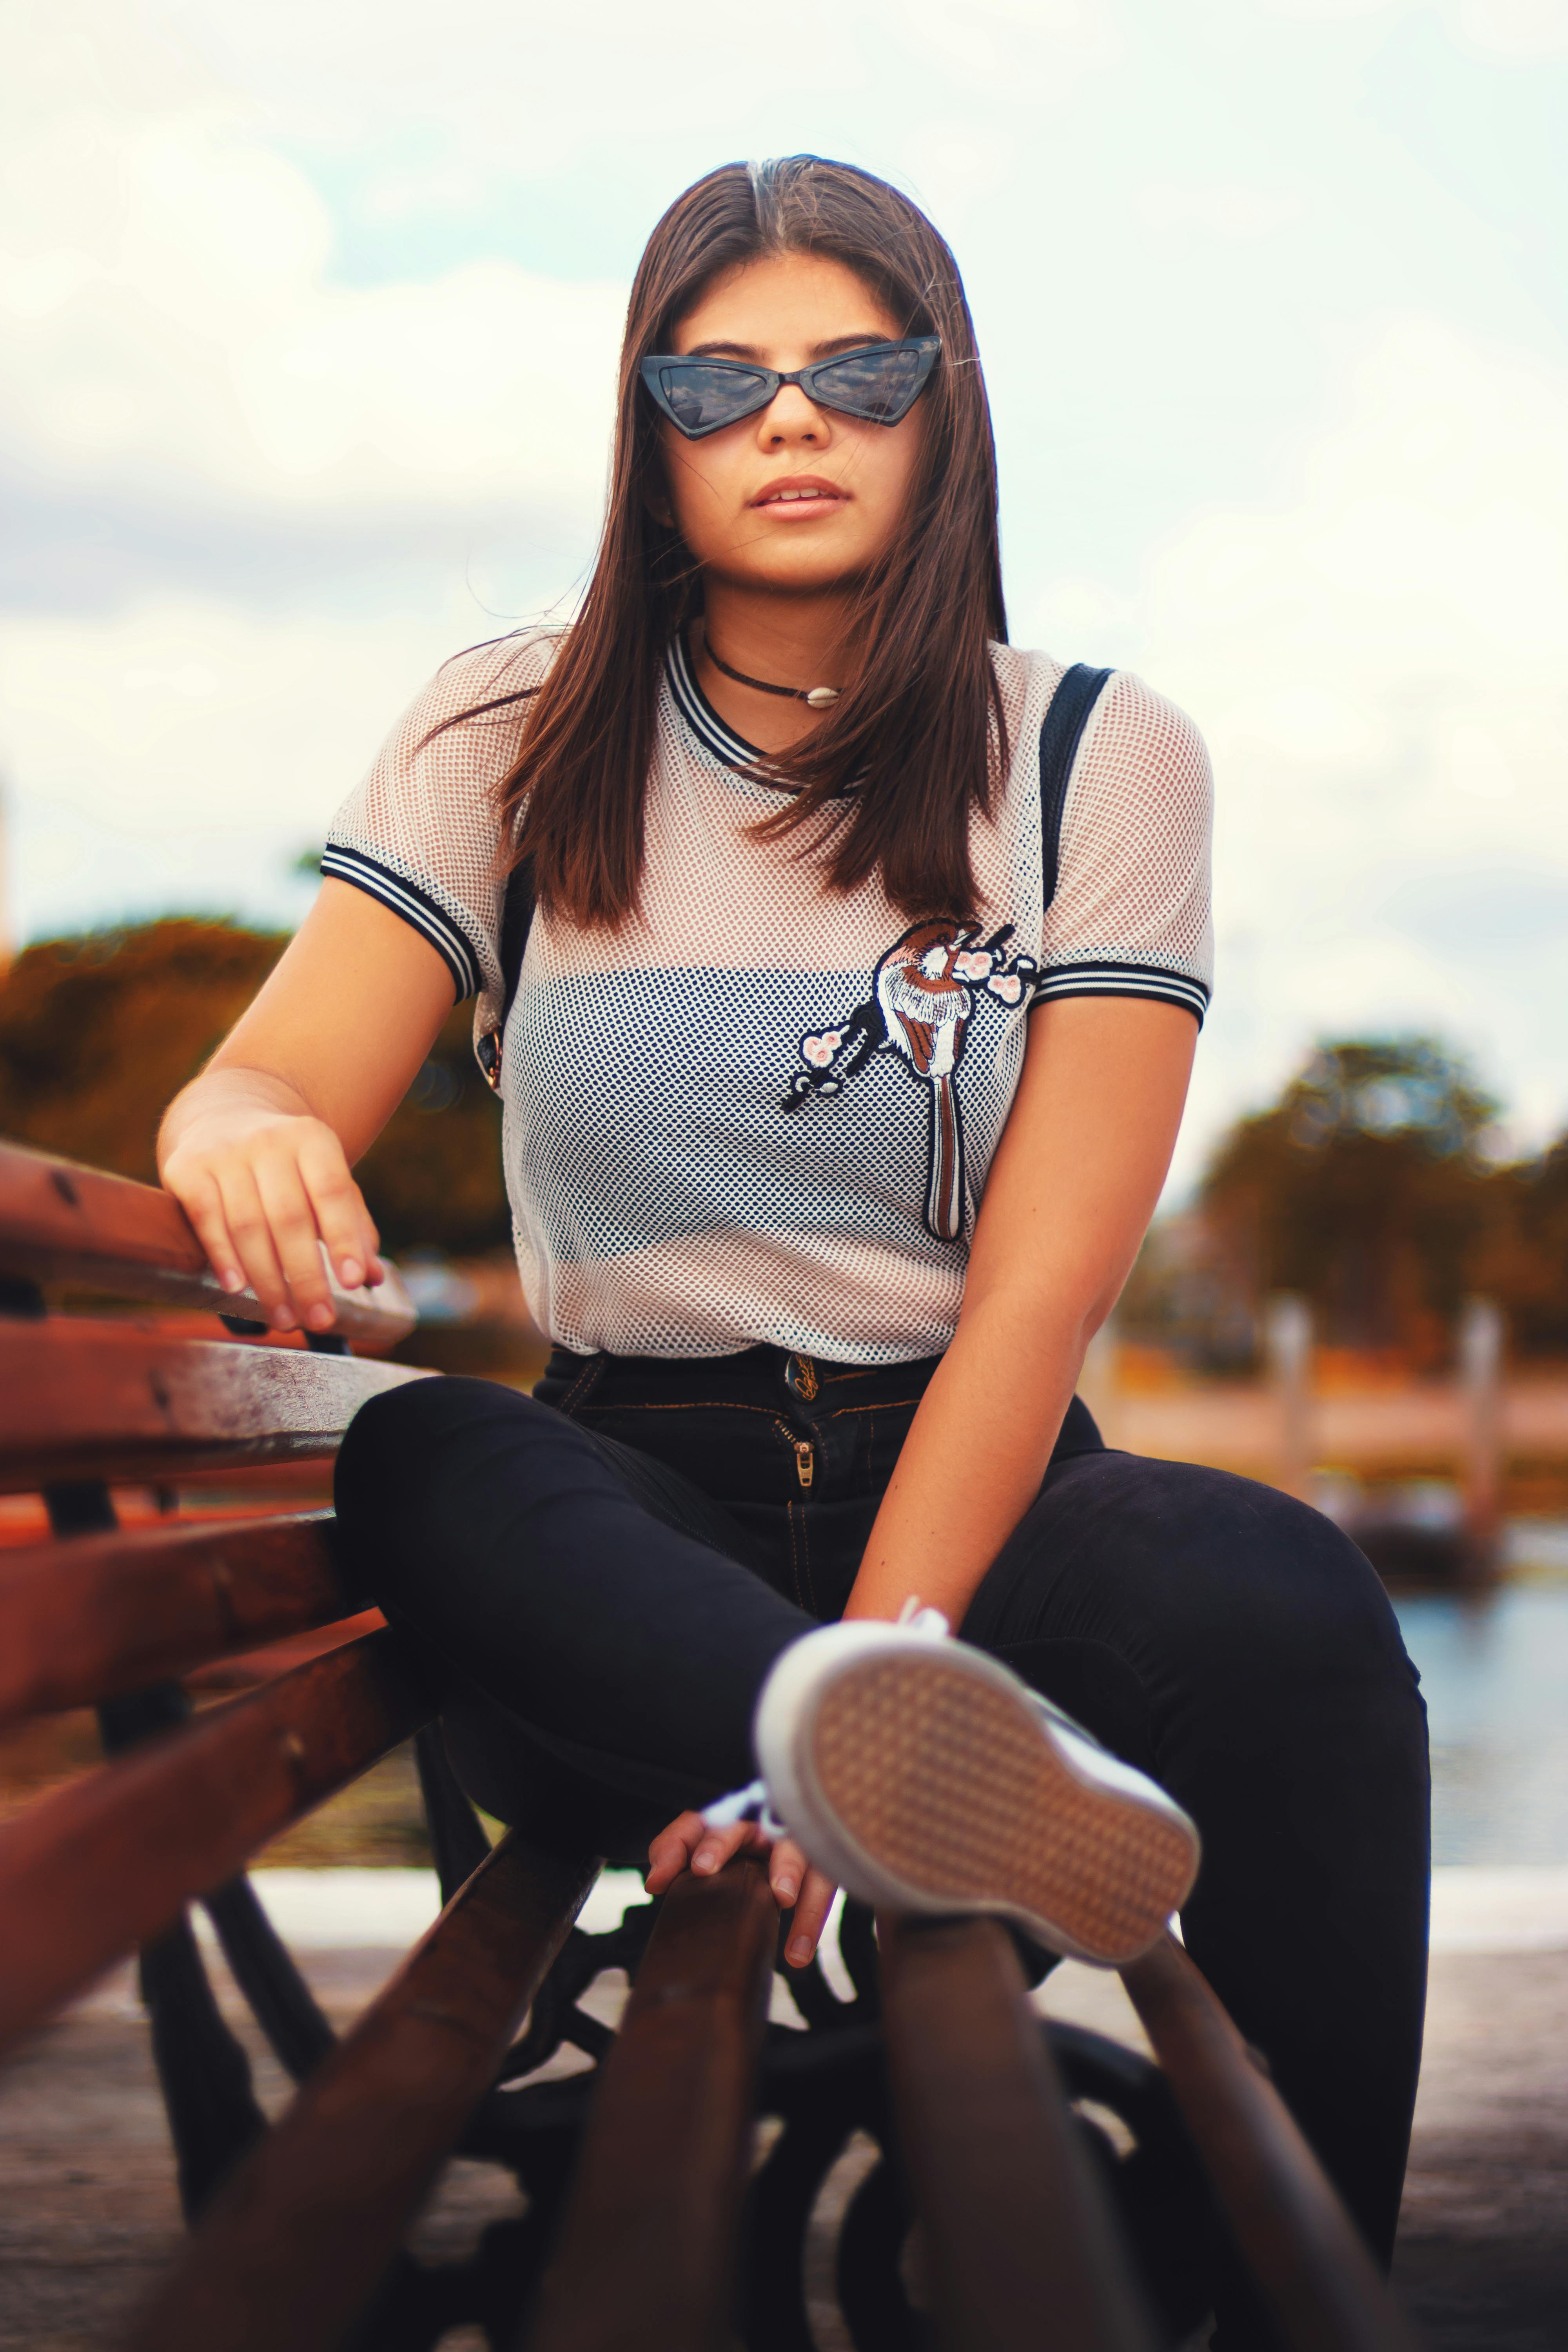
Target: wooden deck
[(1383, 1432)]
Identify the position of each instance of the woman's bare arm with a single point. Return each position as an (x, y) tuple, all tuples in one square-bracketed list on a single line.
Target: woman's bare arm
[(257, 1148), (1073, 1186)]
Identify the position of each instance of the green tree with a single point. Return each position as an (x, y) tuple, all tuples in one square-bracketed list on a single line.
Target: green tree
[(1364, 1188), (98, 1033), (1521, 1258)]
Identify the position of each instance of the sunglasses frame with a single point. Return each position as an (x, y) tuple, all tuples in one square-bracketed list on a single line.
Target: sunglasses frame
[(774, 380)]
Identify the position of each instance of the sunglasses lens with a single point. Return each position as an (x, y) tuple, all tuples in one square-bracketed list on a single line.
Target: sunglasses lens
[(876, 384), (704, 397)]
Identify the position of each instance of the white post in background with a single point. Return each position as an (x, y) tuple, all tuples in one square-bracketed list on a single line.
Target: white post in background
[(1481, 1336), (1097, 1381), (1287, 1345)]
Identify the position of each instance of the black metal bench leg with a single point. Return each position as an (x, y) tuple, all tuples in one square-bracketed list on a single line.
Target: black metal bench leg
[(281, 2002), (214, 2116), (205, 2074), (458, 1840)]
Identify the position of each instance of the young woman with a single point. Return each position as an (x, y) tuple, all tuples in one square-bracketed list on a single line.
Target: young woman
[(862, 960)]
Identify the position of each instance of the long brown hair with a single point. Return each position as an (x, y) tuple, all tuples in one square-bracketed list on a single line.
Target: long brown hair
[(919, 737)]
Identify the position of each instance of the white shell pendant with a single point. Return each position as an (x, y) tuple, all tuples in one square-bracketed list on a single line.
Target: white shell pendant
[(821, 696)]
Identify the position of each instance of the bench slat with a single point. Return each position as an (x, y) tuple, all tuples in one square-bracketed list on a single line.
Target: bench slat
[(59, 1223), (81, 1399), (646, 2251), (107, 1863), (294, 2245), (95, 1615), (1317, 2276), (1021, 2245)]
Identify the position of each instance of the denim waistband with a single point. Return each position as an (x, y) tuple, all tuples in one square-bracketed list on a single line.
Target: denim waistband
[(780, 1378), (806, 1392)]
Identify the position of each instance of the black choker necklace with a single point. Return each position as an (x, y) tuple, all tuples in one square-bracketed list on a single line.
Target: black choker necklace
[(820, 697)]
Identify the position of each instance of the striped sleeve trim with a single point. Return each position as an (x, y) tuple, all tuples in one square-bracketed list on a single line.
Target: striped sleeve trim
[(1124, 980), (422, 912)]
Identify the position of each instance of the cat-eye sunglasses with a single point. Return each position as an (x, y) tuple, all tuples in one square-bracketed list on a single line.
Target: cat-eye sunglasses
[(880, 382)]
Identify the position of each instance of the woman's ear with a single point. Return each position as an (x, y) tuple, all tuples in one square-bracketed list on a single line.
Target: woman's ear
[(655, 497)]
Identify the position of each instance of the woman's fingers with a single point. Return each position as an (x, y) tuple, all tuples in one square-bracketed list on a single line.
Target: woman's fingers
[(786, 1869), (203, 1204), (715, 1847), (252, 1237), (292, 1223), (671, 1850), (264, 1200), (342, 1218), (689, 1844), (806, 1891)]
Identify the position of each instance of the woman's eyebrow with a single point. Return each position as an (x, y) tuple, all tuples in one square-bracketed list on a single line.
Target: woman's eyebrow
[(751, 355)]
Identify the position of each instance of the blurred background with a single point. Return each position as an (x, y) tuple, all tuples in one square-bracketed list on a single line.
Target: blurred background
[(310, 317)]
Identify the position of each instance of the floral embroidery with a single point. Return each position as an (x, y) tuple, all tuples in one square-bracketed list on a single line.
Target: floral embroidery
[(921, 1003)]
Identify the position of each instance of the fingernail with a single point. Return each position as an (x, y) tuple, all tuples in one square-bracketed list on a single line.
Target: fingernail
[(701, 1862), (800, 1948), (232, 1281), (350, 1274), (785, 1889), (282, 1319), (319, 1317)]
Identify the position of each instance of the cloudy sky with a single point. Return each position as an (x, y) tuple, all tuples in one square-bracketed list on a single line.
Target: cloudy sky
[(309, 316)]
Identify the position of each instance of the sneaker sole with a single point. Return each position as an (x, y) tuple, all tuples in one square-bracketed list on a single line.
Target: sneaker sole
[(949, 1788)]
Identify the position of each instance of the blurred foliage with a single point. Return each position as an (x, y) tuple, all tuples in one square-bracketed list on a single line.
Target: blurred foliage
[(1521, 1258), (99, 1033), (1370, 1188), (1363, 1189)]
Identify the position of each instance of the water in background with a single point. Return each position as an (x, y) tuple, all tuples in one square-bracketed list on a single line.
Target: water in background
[(1494, 1668)]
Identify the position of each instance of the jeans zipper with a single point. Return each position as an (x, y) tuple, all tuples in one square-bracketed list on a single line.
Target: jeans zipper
[(803, 1452)]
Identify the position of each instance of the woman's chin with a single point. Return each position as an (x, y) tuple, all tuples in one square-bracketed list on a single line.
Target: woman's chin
[(798, 570)]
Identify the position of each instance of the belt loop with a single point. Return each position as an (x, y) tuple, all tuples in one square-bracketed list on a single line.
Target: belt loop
[(586, 1381)]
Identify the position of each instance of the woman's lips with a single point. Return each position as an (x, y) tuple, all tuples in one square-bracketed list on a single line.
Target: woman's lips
[(799, 497)]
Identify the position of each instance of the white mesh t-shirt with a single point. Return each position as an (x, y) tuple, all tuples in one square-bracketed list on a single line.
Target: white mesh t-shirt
[(765, 1110)]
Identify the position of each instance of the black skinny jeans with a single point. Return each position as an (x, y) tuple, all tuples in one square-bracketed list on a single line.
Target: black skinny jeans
[(604, 1575)]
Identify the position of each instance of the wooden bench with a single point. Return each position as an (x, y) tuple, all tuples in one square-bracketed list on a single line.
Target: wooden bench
[(657, 2217)]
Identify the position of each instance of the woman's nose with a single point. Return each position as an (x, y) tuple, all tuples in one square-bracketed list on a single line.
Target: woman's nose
[(791, 421)]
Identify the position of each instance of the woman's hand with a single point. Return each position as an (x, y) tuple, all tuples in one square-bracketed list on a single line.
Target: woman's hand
[(264, 1187), (689, 1844), (257, 1149)]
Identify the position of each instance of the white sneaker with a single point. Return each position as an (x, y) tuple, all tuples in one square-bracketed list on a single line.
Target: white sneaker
[(923, 1777)]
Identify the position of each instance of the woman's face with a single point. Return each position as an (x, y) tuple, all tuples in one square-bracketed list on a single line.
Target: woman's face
[(724, 491)]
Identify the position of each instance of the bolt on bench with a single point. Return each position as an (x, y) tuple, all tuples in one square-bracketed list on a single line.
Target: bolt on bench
[(1064, 2188)]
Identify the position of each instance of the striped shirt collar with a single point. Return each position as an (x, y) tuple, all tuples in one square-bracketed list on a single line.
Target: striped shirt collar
[(699, 712), (705, 722)]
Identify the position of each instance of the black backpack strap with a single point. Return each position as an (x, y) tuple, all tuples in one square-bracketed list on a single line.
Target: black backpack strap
[(1076, 693), (516, 922)]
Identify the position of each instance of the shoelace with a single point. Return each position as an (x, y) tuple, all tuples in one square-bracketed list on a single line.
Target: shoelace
[(753, 1803), (917, 1619), (747, 1804)]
